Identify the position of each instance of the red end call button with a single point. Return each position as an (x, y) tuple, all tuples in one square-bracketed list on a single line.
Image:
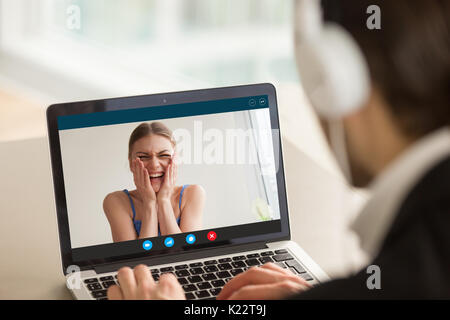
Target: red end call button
[(212, 236)]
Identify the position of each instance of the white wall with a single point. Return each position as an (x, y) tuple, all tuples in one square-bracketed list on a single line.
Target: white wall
[(95, 163)]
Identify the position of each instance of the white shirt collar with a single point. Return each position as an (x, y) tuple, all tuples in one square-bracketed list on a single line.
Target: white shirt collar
[(392, 185)]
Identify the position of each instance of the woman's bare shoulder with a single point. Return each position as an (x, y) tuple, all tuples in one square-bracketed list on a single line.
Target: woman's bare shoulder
[(193, 201), (114, 199), (194, 190)]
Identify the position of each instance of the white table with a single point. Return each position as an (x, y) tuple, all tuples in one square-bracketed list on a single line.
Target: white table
[(31, 265), (29, 247)]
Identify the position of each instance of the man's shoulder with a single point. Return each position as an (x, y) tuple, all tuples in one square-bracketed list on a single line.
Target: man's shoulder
[(434, 184), (430, 195), (413, 259)]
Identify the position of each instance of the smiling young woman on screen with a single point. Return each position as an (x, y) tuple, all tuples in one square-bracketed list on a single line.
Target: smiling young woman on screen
[(157, 206)]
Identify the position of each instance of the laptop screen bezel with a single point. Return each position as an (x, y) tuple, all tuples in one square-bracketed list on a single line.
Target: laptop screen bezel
[(122, 103)]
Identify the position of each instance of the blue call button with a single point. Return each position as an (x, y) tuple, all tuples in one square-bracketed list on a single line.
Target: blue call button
[(190, 238), (147, 245), (169, 242)]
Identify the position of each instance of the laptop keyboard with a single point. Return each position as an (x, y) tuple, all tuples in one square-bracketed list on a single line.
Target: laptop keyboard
[(205, 279)]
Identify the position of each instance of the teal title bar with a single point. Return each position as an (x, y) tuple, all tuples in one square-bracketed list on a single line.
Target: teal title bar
[(161, 112)]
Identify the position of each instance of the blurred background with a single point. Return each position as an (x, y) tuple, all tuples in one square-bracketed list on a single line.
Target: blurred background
[(55, 51), (63, 50), (60, 50)]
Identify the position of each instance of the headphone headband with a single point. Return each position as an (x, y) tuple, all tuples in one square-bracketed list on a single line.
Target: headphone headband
[(332, 68)]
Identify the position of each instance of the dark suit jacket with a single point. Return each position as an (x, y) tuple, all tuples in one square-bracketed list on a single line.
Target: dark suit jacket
[(414, 259)]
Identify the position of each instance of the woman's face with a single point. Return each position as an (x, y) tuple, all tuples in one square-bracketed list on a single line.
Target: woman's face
[(155, 152)]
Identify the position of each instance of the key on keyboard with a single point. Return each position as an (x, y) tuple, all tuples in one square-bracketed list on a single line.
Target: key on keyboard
[(92, 280), (194, 279), (202, 294), (204, 285), (94, 286), (181, 266), (108, 284), (182, 273), (224, 266), (196, 264), (209, 276), (223, 274), (218, 283), (99, 294), (196, 271), (253, 262), (282, 257), (189, 287)]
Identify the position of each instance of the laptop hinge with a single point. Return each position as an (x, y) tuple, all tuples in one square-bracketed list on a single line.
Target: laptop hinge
[(111, 267)]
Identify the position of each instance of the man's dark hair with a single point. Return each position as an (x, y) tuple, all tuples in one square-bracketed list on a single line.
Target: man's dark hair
[(408, 58)]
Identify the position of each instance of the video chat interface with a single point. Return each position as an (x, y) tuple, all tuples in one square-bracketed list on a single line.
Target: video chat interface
[(258, 194)]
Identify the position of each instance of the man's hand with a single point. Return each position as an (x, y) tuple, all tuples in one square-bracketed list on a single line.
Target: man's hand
[(263, 283), (138, 284)]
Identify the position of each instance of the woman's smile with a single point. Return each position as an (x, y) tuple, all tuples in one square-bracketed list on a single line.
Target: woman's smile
[(156, 175), (156, 179)]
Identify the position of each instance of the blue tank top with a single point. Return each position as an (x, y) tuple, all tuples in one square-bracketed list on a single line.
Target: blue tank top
[(137, 223)]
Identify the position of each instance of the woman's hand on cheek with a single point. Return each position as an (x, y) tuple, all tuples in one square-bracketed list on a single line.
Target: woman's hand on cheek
[(165, 192), (142, 182), (175, 167)]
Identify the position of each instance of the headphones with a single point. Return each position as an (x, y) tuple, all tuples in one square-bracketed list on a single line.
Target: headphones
[(333, 71)]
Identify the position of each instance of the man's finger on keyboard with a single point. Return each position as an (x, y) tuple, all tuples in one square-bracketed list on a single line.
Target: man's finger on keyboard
[(270, 291), (114, 293), (255, 275), (127, 283), (274, 267), (144, 280), (170, 288)]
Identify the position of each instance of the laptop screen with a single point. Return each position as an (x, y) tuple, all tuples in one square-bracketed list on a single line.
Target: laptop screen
[(169, 178)]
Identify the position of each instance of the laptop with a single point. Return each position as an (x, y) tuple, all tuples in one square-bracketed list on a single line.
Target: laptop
[(228, 208)]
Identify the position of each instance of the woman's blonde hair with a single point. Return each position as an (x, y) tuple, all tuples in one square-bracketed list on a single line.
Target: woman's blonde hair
[(146, 129)]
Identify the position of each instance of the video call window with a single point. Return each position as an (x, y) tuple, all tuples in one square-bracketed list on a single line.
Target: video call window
[(222, 169)]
